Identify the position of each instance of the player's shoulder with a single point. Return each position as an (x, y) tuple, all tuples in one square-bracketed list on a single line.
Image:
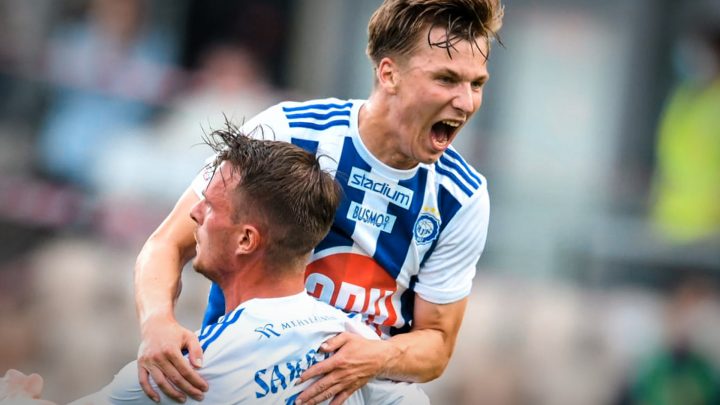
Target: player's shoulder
[(310, 120), (307, 119), (320, 104), (458, 176)]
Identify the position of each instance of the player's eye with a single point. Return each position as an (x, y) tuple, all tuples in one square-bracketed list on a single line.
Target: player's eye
[(446, 80), (477, 84)]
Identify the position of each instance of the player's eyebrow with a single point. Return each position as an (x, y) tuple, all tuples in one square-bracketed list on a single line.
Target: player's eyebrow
[(455, 75)]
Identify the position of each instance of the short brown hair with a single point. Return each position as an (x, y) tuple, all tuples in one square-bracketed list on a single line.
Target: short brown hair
[(282, 184), (395, 26)]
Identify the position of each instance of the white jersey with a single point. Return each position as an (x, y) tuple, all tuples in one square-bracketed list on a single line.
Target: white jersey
[(397, 233), (255, 354)]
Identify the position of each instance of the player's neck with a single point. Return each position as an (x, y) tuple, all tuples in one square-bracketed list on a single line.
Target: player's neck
[(261, 281), (375, 130)]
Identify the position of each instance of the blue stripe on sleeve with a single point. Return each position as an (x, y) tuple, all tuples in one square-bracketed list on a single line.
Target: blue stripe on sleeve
[(469, 169), (318, 116), (327, 106), (318, 127), (452, 165), (454, 178), (223, 326)]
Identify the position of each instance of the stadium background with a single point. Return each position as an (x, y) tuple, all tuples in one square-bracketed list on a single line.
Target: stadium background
[(578, 290)]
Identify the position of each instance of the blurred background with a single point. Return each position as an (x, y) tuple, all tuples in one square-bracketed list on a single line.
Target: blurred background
[(599, 135)]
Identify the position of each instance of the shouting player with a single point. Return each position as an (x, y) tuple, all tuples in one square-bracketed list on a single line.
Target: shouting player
[(409, 231)]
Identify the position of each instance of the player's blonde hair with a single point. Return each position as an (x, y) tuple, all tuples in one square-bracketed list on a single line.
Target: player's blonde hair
[(395, 27)]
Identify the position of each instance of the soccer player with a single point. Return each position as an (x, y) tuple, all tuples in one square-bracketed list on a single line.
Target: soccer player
[(409, 231), (266, 206)]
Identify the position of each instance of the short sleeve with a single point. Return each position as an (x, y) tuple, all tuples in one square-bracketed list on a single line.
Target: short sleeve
[(446, 276), (124, 389)]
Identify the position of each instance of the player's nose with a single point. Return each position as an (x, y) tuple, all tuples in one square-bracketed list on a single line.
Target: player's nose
[(196, 212), (464, 99)]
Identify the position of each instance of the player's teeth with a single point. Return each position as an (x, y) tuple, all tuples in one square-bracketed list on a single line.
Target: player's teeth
[(453, 124)]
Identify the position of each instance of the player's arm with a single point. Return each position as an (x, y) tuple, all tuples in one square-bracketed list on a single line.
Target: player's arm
[(157, 285), (420, 355)]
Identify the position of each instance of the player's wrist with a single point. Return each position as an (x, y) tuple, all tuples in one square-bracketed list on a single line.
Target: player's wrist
[(392, 354), (152, 319)]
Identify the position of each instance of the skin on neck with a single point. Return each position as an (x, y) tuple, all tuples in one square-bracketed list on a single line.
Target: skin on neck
[(377, 130), (253, 276)]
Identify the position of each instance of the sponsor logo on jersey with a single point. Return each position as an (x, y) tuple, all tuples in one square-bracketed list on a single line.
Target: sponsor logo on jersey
[(279, 377), (366, 181), (267, 331), (355, 283), (380, 220), (427, 228), (294, 323)]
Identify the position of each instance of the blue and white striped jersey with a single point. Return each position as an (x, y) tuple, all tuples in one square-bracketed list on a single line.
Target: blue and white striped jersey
[(397, 233), (256, 353)]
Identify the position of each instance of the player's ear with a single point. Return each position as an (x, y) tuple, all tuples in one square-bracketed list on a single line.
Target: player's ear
[(387, 74), (248, 240)]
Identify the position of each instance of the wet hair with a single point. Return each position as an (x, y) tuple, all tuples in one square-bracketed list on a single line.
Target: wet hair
[(395, 27), (281, 184)]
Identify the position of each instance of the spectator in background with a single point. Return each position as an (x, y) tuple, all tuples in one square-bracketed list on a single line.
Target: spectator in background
[(679, 371), (228, 80), (109, 72), (686, 209), (687, 180)]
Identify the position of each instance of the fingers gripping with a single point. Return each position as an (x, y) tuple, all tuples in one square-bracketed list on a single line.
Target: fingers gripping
[(335, 343), (143, 378), (169, 369)]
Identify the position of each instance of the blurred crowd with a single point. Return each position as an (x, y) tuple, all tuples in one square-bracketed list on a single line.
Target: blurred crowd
[(103, 105)]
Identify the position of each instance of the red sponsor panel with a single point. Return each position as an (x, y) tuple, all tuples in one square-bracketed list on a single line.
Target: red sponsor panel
[(353, 283)]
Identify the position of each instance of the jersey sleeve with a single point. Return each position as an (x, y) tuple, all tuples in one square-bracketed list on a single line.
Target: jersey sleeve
[(124, 389), (446, 276), (270, 124), (393, 393)]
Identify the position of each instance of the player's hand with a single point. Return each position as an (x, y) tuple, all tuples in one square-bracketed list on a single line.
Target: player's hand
[(160, 356), (355, 362), (20, 389)]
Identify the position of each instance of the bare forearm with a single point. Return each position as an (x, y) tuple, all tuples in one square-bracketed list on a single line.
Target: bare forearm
[(422, 354), (157, 280), (160, 262), (417, 356)]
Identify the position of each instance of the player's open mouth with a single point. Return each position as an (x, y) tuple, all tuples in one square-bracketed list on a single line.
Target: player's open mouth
[(442, 133)]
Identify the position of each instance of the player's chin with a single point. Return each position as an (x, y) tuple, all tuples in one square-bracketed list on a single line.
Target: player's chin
[(197, 265), (432, 156)]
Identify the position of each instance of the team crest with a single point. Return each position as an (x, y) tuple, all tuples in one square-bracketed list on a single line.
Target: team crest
[(427, 228)]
